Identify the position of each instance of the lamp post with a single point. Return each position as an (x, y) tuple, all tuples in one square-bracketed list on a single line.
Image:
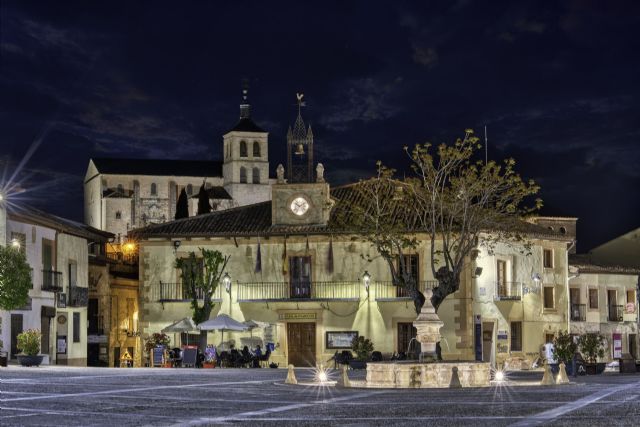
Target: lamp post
[(366, 280), (226, 281)]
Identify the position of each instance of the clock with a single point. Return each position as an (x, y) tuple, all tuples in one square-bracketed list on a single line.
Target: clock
[(299, 206)]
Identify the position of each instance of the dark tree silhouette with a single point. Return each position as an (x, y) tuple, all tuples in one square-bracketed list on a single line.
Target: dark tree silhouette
[(204, 206), (182, 207)]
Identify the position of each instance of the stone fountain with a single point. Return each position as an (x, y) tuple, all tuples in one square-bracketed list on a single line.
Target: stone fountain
[(428, 372)]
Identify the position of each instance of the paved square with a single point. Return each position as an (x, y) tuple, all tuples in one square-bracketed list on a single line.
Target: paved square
[(95, 396)]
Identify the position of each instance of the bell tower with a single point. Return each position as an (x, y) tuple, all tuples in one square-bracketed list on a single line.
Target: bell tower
[(300, 149), (246, 158)]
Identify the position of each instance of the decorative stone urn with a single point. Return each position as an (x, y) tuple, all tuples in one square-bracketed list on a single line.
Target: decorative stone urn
[(428, 326)]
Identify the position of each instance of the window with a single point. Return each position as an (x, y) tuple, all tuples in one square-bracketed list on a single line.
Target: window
[(406, 333), (563, 230), (256, 149), (548, 258), (593, 299), (120, 189), (548, 297), (190, 189), (256, 176), (243, 149), (118, 215), (631, 296), (411, 263), (73, 273), (154, 189), (516, 336), (243, 175), (76, 327), (548, 337)]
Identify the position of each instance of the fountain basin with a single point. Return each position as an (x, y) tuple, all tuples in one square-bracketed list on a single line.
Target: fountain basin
[(414, 374)]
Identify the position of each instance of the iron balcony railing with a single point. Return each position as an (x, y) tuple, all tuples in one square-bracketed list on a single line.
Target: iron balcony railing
[(51, 280), (386, 291), (578, 312), (296, 291), (615, 313), (78, 297), (508, 291), (177, 292)]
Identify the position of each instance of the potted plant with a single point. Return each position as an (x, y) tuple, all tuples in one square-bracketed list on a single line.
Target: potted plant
[(592, 347), (362, 347), (563, 350), (29, 346), (3, 355)]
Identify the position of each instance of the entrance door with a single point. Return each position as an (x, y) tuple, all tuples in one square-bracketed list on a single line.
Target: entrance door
[(93, 354), (487, 341), (300, 273), (633, 349), (45, 329), (301, 340), (16, 328)]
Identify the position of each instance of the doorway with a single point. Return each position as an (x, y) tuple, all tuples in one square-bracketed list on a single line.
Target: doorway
[(16, 328), (300, 276), (633, 349), (301, 341), (487, 341), (406, 333)]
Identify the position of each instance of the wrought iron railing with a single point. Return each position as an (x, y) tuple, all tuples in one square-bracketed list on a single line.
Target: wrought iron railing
[(78, 297), (508, 291), (296, 291), (578, 312), (51, 280), (615, 313), (177, 292), (387, 290)]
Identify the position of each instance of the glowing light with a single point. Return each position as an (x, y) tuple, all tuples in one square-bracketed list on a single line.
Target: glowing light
[(322, 377), (499, 376), (1, 197), (15, 243), (129, 247)]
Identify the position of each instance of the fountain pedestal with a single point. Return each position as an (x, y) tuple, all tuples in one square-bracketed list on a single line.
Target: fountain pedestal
[(428, 326)]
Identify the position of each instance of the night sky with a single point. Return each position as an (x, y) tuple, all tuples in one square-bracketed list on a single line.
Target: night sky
[(556, 83)]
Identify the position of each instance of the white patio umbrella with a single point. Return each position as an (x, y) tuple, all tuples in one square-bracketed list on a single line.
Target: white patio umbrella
[(222, 323), (182, 325), (254, 324)]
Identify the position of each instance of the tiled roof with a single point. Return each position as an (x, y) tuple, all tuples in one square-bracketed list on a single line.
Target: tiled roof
[(159, 167), (586, 265), (246, 125), (255, 220), (35, 216)]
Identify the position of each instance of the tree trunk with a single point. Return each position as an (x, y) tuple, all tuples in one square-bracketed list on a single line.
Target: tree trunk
[(447, 284), (203, 341)]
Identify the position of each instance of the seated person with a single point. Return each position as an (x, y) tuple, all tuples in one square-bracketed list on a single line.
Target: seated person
[(258, 351)]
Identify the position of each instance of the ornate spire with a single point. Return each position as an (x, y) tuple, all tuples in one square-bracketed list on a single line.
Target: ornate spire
[(300, 148), (245, 107)]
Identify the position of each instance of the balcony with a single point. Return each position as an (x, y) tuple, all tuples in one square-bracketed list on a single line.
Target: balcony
[(615, 313), (386, 291), (300, 291), (176, 292), (51, 281), (578, 312), (508, 291), (78, 297)]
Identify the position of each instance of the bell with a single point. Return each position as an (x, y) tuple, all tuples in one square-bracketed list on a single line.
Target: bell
[(300, 149)]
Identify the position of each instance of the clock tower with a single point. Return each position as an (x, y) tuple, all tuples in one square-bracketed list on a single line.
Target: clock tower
[(302, 199)]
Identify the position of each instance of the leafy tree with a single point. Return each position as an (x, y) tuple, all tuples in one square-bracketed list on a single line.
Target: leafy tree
[(458, 202), (15, 278), (563, 347), (200, 278), (182, 207), (204, 206), (592, 345)]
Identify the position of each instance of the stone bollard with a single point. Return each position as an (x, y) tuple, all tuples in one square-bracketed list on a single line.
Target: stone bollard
[(547, 378), (455, 378), (343, 379), (291, 376), (562, 377)]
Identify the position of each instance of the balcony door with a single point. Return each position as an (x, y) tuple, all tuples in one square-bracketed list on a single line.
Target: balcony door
[(501, 275), (300, 276)]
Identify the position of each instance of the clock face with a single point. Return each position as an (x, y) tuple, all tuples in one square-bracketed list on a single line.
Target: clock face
[(299, 206)]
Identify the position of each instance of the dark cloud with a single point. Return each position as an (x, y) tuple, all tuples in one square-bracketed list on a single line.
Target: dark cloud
[(555, 83)]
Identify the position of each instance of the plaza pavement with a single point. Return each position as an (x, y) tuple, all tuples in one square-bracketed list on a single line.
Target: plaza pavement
[(56, 396)]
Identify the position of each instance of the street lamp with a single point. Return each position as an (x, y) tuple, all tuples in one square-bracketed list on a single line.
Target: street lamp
[(226, 281), (15, 243), (366, 280)]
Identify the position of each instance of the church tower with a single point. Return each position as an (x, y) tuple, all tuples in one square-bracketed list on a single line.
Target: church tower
[(246, 159), (300, 149)]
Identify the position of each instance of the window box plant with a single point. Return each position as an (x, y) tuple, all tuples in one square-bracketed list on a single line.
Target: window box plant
[(592, 347), (29, 346), (362, 347)]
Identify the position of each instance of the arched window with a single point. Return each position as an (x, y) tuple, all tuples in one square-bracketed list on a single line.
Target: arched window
[(256, 149), (154, 189), (189, 189), (118, 215), (120, 189), (563, 230), (256, 176), (243, 175), (243, 149)]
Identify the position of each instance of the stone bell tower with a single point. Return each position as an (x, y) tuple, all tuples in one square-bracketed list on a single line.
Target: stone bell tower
[(300, 149), (246, 159)]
